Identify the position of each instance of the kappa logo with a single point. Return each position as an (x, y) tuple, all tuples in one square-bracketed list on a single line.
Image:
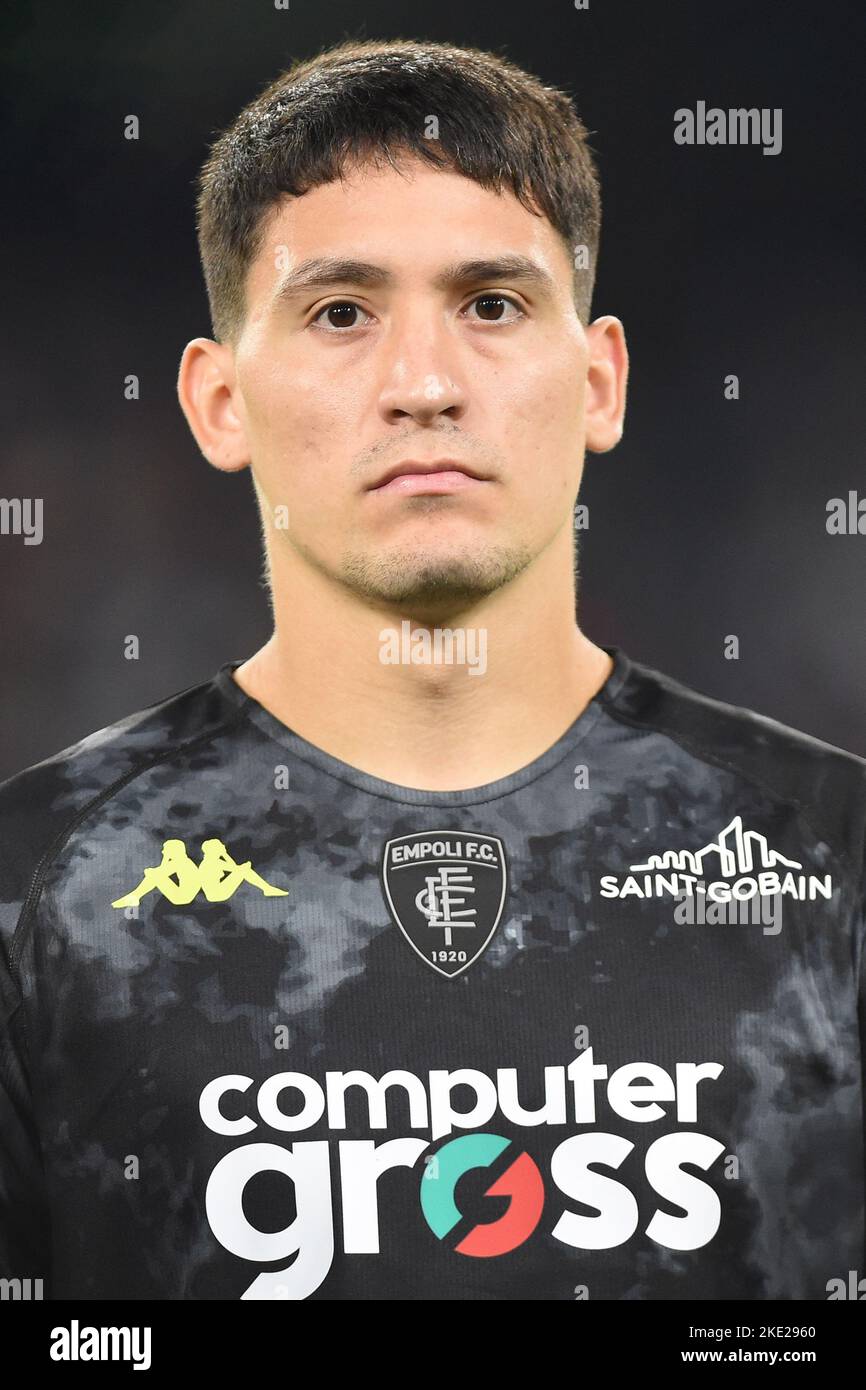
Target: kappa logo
[(737, 854), (180, 879), (445, 890)]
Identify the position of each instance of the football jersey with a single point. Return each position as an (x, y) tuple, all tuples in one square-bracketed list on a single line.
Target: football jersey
[(273, 1027)]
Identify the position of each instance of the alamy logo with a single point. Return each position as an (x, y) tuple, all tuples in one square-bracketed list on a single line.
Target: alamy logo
[(736, 126), (737, 854), (22, 516), (461, 646), (21, 1290), (854, 1287), (445, 891), (180, 879)]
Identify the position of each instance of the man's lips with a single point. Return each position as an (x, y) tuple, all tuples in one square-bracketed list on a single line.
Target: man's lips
[(410, 478)]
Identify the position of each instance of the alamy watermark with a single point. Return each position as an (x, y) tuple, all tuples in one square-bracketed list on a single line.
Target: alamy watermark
[(438, 646), (21, 1290), (736, 126), (758, 909), (22, 516)]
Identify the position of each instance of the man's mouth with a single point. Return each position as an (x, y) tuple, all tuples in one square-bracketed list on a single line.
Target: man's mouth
[(411, 479)]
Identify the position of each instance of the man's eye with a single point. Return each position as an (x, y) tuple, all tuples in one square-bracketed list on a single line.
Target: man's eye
[(491, 306), (340, 315)]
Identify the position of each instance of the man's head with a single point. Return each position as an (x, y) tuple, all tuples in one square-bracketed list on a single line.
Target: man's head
[(399, 244)]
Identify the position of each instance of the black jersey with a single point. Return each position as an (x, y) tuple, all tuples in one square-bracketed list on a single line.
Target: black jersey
[(271, 1027)]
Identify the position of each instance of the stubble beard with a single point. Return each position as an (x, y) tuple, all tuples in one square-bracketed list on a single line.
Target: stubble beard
[(409, 578)]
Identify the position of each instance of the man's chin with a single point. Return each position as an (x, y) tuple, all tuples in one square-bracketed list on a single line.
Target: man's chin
[(409, 580)]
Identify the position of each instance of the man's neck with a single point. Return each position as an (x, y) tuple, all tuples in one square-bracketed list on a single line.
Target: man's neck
[(525, 675)]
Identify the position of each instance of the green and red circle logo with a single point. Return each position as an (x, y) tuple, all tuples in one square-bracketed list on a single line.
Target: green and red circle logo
[(520, 1182)]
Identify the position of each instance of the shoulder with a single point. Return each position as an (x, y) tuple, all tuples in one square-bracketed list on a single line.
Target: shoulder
[(43, 804), (826, 783)]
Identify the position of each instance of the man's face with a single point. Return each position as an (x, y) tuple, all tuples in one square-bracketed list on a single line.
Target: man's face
[(337, 383)]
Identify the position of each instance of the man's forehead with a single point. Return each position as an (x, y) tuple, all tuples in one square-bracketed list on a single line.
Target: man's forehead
[(306, 244)]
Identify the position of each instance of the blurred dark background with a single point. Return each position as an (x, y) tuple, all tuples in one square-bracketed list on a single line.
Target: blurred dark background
[(708, 520)]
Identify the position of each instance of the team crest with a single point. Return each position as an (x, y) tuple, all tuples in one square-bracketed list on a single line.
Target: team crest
[(445, 890)]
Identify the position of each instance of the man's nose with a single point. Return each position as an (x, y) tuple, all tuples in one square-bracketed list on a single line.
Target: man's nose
[(422, 376)]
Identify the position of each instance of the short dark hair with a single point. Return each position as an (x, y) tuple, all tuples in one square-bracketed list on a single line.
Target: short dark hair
[(373, 100)]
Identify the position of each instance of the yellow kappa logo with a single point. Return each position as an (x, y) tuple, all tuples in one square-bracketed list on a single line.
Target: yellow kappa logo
[(180, 879)]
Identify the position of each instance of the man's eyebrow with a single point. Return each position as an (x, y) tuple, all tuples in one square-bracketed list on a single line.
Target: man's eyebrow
[(324, 272), (510, 266)]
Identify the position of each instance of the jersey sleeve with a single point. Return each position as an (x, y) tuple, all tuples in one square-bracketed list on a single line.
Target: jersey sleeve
[(24, 1233)]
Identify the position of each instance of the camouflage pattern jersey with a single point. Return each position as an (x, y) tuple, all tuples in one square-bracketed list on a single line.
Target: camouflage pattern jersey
[(271, 1027)]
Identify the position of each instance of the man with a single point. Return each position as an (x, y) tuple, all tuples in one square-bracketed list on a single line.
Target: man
[(466, 997)]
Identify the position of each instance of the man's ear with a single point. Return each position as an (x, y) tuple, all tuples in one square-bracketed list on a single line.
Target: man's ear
[(210, 400), (606, 378)]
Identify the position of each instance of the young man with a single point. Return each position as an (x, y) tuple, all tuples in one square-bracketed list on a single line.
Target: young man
[(413, 957)]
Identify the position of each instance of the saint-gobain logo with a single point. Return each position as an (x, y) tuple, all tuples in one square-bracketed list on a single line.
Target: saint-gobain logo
[(445, 890)]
